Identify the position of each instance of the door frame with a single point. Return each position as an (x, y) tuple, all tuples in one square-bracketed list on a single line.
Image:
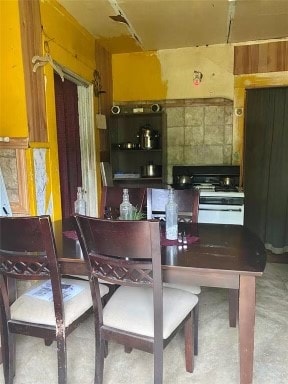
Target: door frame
[(87, 139), (88, 148), (241, 83)]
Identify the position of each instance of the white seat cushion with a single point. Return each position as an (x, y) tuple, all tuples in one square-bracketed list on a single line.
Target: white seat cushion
[(185, 287), (131, 309), (35, 310)]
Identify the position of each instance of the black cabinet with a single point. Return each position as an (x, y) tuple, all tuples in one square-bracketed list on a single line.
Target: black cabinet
[(129, 155)]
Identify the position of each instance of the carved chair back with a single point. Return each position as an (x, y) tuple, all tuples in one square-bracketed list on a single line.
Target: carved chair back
[(187, 200), (111, 198), (119, 251), (28, 252)]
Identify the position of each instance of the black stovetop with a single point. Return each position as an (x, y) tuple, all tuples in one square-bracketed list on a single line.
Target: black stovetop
[(207, 175)]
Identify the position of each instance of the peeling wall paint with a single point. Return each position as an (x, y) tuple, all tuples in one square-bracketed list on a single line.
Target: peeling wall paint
[(214, 62), (168, 74)]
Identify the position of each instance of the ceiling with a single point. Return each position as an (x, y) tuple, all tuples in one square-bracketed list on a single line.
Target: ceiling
[(148, 25)]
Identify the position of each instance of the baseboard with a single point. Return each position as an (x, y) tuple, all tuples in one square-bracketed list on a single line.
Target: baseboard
[(273, 258)]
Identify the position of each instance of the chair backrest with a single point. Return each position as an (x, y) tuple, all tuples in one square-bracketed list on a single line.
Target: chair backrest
[(128, 252), (116, 249), (187, 200), (111, 198), (123, 253), (28, 252)]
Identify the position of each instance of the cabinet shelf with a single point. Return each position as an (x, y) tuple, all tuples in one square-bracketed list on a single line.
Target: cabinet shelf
[(137, 115), (136, 179), (125, 128)]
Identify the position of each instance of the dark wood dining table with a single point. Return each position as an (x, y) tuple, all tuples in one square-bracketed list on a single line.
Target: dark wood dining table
[(223, 256)]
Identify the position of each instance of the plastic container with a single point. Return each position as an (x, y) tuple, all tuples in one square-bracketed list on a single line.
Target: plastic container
[(80, 203), (126, 208), (171, 210)]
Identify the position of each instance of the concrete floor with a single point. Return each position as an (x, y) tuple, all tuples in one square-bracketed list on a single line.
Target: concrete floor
[(217, 362)]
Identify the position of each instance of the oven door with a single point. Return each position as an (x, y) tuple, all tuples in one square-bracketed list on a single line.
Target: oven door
[(221, 208)]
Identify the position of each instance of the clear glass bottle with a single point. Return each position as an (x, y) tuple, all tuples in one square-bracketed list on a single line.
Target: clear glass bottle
[(80, 203), (171, 210), (126, 207)]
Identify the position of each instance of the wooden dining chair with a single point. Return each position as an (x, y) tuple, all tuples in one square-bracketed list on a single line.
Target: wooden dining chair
[(52, 308), (141, 313), (111, 198), (188, 207), (186, 199)]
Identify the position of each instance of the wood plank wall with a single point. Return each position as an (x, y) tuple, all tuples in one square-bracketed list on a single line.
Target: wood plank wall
[(261, 58), (30, 23), (104, 67)]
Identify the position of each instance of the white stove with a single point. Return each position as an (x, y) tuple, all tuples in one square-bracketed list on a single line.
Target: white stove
[(205, 187), (220, 202), (221, 207)]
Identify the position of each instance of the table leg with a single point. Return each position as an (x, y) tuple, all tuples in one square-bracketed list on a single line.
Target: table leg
[(246, 327), (233, 299)]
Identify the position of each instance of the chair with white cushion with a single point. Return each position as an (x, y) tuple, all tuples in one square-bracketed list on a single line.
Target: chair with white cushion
[(52, 308), (141, 313), (188, 207)]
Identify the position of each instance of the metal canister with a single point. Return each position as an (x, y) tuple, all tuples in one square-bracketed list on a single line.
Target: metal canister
[(148, 138)]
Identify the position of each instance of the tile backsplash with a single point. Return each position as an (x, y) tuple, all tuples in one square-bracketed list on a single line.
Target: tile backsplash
[(199, 135)]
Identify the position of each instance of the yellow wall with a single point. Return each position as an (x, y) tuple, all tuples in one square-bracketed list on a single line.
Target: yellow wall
[(137, 76), (168, 74), (69, 45), (13, 118)]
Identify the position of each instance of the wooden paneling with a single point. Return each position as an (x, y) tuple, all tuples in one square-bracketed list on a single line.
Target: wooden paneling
[(14, 143), (104, 67), (261, 58), (30, 23)]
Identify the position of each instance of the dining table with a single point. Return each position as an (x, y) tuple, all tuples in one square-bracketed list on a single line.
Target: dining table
[(209, 255)]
